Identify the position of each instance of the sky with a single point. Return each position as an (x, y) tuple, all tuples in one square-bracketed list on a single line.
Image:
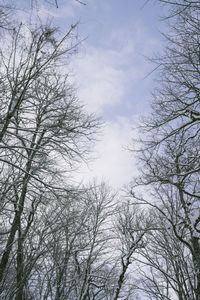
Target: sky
[(112, 74)]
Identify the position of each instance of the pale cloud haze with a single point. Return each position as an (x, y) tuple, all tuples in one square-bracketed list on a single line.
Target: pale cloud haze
[(110, 73), (113, 163), (101, 81)]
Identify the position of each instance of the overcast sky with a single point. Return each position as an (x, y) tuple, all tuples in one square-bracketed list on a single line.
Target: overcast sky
[(110, 72)]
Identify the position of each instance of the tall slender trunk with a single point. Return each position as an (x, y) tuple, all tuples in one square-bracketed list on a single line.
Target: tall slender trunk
[(121, 277), (15, 224), (196, 261), (20, 265)]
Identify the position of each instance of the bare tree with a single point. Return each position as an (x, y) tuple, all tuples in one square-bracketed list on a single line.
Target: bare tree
[(131, 225), (166, 265), (173, 183), (169, 156), (66, 257), (43, 127)]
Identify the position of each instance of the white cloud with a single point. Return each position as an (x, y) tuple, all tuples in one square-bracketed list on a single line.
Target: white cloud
[(113, 164), (100, 79), (106, 74), (105, 77)]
